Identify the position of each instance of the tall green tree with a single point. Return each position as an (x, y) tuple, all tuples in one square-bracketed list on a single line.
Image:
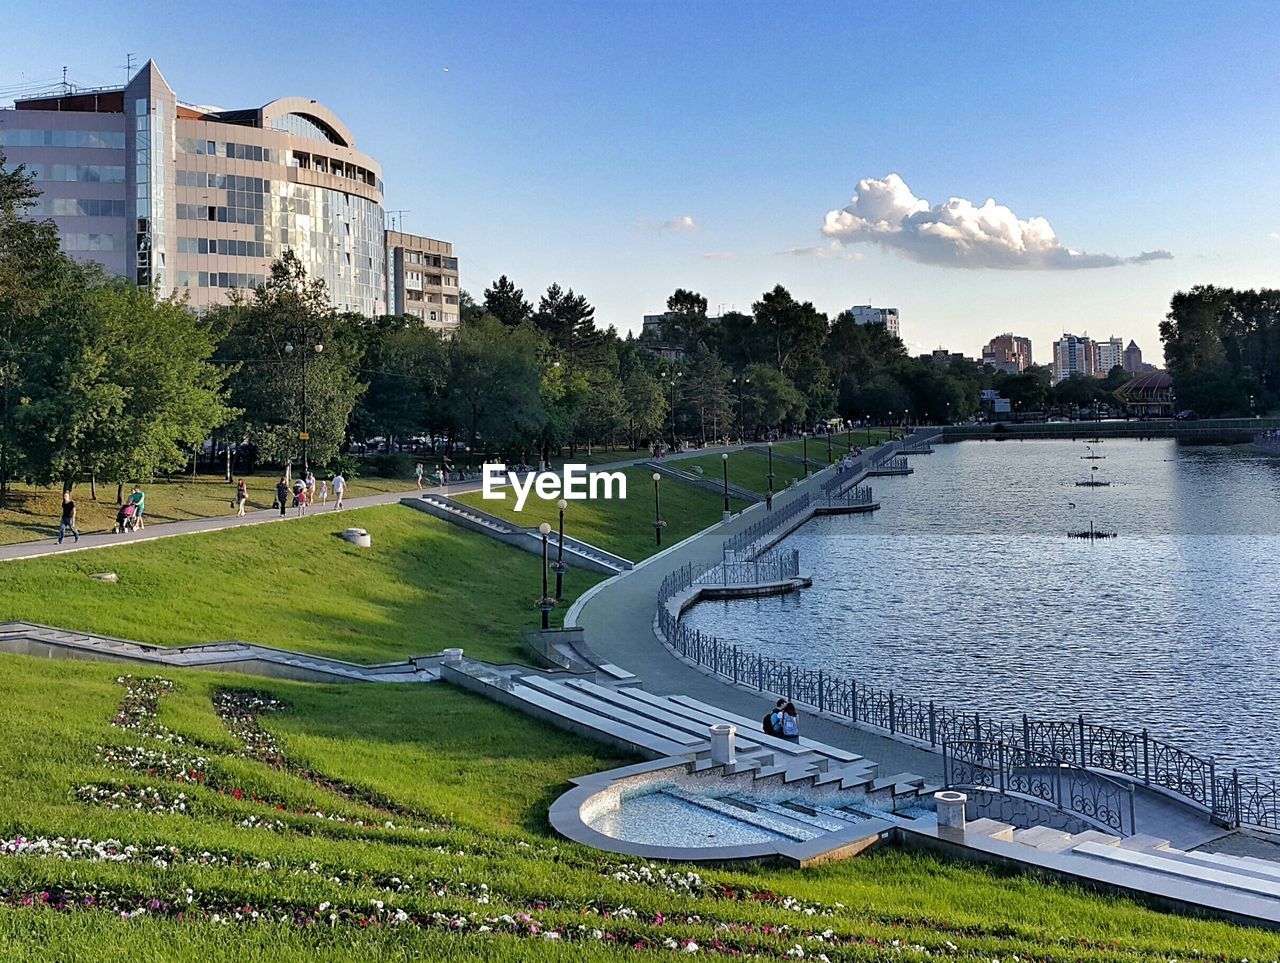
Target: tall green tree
[(506, 302), (35, 276), (495, 385), (290, 354)]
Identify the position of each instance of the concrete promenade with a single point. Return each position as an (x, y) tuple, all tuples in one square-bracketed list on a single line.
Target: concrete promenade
[(618, 620)]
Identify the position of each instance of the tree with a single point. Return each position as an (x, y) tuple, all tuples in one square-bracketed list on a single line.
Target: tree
[(707, 391), (506, 302), (645, 407), (405, 371), (770, 399), (281, 343), (495, 384), (34, 276), (125, 390), (568, 322), (468, 311)]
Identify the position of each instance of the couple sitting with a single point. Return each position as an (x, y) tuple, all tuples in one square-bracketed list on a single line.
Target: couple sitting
[(783, 722)]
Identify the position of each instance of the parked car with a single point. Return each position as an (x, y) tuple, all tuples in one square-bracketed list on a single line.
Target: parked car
[(1187, 414)]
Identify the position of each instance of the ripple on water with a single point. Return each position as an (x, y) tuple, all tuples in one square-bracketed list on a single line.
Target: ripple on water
[(963, 588)]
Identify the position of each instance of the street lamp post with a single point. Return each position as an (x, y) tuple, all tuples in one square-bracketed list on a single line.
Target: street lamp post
[(675, 375), (308, 333), (546, 603), (804, 439), (768, 495), (742, 421), (830, 457), (658, 523), (560, 565), (724, 462)]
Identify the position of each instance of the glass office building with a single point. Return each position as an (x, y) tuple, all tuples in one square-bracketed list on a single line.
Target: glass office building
[(201, 200)]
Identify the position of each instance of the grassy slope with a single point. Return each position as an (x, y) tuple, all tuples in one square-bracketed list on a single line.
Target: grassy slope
[(746, 469), (621, 526), (490, 774), (34, 511), (424, 585)]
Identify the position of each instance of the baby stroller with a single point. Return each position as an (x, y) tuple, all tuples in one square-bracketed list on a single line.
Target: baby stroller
[(126, 519)]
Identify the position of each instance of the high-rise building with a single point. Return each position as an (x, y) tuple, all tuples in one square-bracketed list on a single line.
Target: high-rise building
[(200, 199), (1074, 354), (1008, 352), (866, 314), (422, 279), (1109, 354), (1132, 357)]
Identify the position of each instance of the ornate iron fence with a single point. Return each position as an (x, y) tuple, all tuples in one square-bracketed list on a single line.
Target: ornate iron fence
[(744, 542), (1133, 754), (1048, 779), (850, 499), (774, 567)]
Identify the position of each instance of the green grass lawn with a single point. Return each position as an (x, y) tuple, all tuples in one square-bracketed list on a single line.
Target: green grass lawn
[(818, 445), (33, 512), (621, 526), (466, 869), (423, 586), (746, 469)]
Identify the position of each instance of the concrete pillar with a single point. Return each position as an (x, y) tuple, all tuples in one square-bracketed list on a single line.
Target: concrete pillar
[(950, 809), (722, 739), (451, 656)]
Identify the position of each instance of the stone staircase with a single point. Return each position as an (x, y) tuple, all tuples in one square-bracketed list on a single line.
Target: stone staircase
[(768, 772), (1149, 857), (707, 482), (578, 553), (29, 638)]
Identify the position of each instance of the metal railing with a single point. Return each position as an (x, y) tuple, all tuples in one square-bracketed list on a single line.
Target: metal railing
[(745, 541), (1229, 798), (774, 567), (1046, 779), (850, 499)]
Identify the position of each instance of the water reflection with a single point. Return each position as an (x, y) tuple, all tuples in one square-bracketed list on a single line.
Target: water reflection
[(964, 589)]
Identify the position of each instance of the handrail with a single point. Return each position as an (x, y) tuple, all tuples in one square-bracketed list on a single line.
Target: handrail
[(1230, 799), (1045, 778), (745, 541)]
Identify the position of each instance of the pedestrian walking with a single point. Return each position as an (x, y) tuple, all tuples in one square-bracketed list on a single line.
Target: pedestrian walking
[(417, 476), (282, 495), (68, 523), (242, 496), (311, 487), (790, 723), (138, 499), (300, 495), (339, 490), (324, 492)]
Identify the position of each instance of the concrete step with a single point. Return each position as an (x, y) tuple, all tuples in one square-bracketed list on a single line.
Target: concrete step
[(1242, 866), (668, 708), (793, 829), (1167, 864), (1141, 842), (601, 707), (991, 828), (1043, 837), (747, 725)]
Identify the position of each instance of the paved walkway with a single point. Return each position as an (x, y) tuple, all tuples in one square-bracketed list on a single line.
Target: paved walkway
[(618, 621), (217, 523)]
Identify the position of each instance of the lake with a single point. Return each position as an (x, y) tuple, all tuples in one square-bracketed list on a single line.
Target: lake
[(965, 589)]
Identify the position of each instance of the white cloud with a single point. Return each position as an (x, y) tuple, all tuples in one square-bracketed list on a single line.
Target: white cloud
[(1274, 235), (823, 252), (676, 225), (958, 233), (718, 256)]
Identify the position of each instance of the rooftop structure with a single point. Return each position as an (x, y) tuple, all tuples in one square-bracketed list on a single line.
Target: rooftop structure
[(201, 200)]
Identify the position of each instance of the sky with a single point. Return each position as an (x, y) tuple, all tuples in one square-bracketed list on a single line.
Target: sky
[(982, 167)]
